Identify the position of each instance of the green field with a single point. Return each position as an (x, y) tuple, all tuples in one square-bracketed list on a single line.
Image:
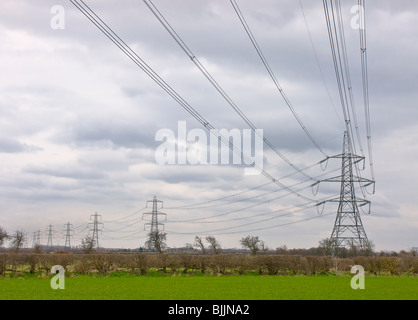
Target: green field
[(130, 287)]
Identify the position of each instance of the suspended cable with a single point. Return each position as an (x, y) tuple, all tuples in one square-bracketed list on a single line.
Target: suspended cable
[(347, 74), (365, 81), (251, 223), (339, 53), (214, 232), (197, 205), (249, 207), (127, 226), (253, 197), (214, 83), (335, 61), (119, 220), (318, 63), (273, 77), (106, 30)]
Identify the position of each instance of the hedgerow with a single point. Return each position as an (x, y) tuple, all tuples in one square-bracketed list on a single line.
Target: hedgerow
[(263, 264)]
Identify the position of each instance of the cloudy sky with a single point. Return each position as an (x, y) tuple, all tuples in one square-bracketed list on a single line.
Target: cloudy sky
[(78, 120)]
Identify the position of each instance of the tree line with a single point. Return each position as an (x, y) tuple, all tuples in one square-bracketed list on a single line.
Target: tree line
[(156, 242)]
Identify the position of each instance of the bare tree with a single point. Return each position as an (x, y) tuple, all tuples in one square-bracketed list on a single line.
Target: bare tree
[(87, 244), (282, 249), (4, 236), (327, 246), (17, 240), (156, 241), (214, 244), (198, 242), (252, 243)]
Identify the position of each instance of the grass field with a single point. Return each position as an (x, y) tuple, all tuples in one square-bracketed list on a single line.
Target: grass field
[(129, 287)]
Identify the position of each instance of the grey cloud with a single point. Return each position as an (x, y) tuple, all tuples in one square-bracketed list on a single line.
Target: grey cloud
[(109, 133), (67, 172), (10, 145)]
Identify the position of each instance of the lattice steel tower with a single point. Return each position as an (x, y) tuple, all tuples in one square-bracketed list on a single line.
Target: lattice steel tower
[(154, 215), (348, 231), (96, 222), (50, 234), (36, 238), (68, 234), (154, 233)]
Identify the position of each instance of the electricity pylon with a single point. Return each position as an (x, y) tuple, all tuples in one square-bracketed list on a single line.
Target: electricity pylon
[(68, 234), (154, 234), (348, 231), (36, 239), (154, 215), (96, 230), (50, 233)]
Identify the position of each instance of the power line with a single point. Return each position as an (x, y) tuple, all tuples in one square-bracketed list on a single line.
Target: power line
[(333, 42), (240, 209), (254, 229), (106, 30), (317, 61), (123, 218), (336, 36), (341, 32), (122, 228), (365, 81), (196, 205), (160, 17), (199, 220), (272, 75)]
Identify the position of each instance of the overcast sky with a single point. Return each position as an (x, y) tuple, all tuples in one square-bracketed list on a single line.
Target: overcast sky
[(78, 120)]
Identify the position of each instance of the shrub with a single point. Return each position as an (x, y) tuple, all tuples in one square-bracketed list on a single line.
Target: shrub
[(136, 263), (82, 265), (409, 264), (318, 265), (188, 262), (391, 265), (102, 263), (203, 263), (173, 263), (3, 263)]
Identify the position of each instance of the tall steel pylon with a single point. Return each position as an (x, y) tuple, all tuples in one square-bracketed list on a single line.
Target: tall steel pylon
[(50, 233), (68, 234), (154, 224), (95, 232), (348, 231), (36, 238)]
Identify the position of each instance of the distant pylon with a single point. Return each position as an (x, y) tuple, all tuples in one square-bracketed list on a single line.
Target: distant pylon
[(50, 233), (38, 237), (154, 215), (96, 230), (34, 242), (68, 234), (348, 231), (154, 224)]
